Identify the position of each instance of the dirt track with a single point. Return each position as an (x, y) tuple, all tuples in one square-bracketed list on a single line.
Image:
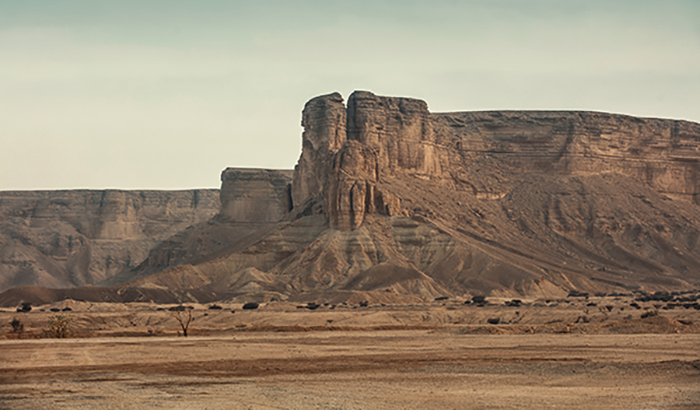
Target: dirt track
[(351, 370)]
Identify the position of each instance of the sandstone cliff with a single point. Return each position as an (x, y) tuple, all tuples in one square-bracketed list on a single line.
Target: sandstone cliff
[(72, 238), (392, 202), (63, 239), (255, 196), (381, 139), (252, 200), (549, 200)]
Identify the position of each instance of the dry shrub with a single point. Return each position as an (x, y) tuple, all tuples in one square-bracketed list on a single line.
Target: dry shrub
[(17, 326), (58, 327)]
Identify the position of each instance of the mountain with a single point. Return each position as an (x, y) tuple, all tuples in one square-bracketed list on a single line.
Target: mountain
[(390, 202)]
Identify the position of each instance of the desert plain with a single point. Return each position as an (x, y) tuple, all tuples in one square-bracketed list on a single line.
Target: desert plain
[(572, 353), (411, 260)]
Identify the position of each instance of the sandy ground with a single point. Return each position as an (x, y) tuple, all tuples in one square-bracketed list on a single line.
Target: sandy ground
[(439, 355), (413, 369)]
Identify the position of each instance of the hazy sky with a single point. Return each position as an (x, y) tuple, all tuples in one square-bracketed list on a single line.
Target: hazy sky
[(166, 94)]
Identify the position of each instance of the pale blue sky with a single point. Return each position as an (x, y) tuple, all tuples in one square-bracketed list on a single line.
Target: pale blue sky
[(166, 94)]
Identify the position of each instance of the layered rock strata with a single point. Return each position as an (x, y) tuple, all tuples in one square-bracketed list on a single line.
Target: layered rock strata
[(349, 153), (391, 203), (256, 196), (78, 237), (63, 239), (252, 200)]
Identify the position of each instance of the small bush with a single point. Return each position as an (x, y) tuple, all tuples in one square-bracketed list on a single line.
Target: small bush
[(24, 307), (479, 300), (17, 326), (215, 307), (649, 313), (58, 327)]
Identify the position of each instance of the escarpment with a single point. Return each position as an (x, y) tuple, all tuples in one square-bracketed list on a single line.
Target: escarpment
[(392, 203), (350, 156), (78, 237), (71, 238), (251, 200)]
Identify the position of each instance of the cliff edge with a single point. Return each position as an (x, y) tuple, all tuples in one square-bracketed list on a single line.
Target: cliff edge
[(390, 202)]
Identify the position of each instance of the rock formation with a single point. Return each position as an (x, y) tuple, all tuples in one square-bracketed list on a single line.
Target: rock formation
[(63, 239), (78, 237), (391, 202), (251, 201), (255, 196), (384, 138)]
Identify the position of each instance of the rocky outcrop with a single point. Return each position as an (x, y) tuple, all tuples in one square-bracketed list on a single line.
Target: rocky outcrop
[(391, 202), (345, 151), (252, 200), (346, 165), (255, 196), (72, 238), (324, 121)]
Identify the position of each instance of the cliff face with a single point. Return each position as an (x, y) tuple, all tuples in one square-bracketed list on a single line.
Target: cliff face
[(255, 196), (349, 154), (72, 238), (252, 200), (662, 154), (393, 203), (543, 200), (63, 239)]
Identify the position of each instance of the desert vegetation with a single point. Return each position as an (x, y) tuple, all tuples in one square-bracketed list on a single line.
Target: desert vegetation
[(58, 327), (184, 316)]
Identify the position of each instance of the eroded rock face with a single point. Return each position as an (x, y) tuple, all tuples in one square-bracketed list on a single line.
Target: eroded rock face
[(255, 195), (663, 154), (392, 202), (324, 121), (349, 166), (251, 200), (345, 152), (72, 238)]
